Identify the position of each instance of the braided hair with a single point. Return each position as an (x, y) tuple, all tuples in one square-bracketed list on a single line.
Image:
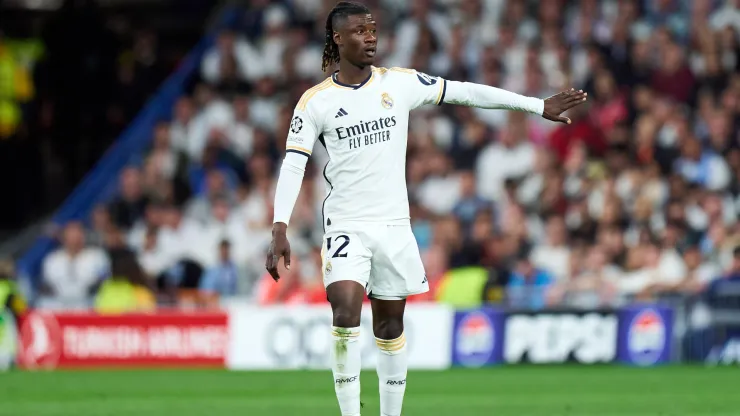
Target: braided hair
[(343, 9)]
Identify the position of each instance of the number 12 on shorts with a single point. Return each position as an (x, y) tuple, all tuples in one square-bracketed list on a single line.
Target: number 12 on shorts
[(342, 240)]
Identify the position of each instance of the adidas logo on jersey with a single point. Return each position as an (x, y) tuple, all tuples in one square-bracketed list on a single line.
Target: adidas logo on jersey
[(340, 113)]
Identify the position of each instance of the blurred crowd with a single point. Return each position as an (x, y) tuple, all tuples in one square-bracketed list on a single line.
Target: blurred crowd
[(637, 198)]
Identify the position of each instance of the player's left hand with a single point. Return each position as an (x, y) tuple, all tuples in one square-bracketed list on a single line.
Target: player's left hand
[(562, 102)]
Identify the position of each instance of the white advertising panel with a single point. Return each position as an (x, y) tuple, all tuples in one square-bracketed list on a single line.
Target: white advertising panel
[(296, 337)]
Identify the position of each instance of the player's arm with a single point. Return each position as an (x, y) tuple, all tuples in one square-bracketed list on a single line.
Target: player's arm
[(302, 135), (484, 96), (426, 89)]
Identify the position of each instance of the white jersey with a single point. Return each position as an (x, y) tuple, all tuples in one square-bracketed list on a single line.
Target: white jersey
[(364, 129)]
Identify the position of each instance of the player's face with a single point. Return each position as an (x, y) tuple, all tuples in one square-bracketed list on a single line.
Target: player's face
[(357, 40)]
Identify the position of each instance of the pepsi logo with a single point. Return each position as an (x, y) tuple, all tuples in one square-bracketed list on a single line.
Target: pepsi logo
[(475, 339), (646, 337)]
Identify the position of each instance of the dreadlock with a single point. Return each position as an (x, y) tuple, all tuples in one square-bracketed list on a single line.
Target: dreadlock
[(343, 9)]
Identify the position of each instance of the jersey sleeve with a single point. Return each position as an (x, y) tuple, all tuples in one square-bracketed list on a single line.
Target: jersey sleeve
[(482, 96), (302, 135), (421, 88), (304, 130)]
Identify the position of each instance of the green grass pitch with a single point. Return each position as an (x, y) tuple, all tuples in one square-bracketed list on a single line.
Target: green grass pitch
[(501, 391)]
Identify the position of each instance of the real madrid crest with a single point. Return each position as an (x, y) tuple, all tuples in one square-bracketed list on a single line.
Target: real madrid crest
[(386, 101), (327, 269)]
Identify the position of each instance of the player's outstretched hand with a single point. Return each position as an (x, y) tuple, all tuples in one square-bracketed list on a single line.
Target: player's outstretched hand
[(279, 247), (562, 102)]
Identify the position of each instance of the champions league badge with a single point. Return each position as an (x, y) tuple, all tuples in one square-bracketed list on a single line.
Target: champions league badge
[(296, 124)]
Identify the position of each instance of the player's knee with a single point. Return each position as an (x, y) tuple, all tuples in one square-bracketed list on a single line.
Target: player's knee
[(346, 319), (389, 328)]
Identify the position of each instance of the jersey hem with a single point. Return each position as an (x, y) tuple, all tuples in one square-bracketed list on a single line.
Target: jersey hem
[(339, 222), (395, 296)]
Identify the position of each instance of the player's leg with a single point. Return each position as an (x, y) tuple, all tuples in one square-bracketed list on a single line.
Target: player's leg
[(393, 357), (397, 272), (346, 304), (346, 272)]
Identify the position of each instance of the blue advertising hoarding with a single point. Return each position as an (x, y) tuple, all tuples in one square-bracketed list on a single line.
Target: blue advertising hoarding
[(636, 335), (477, 338), (645, 334)]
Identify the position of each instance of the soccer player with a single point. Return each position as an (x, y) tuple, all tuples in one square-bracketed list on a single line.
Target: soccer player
[(360, 115)]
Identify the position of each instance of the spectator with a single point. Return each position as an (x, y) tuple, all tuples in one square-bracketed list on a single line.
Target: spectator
[(470, 204), (170, 162), (231, 56), (593, 283), (463, 287), (553, 255), (527, 287), (153, 220), (704, 168), (611, 239), (11, 297), (440, 181), (532, 186), (129, 206), (723, 292), (510, 158), (209, 124), (216, 188), (213, 177), (127, 289), (727, 15), (265, 109), (72, 273), (582, 129), (673, 78), (699, 274), (102, 224), (177, 236), (611, 104), (183, 126), (223, 225), (654, 274), (241, 135), (223, 278), (409, 30), (152, 257), (717, 246)]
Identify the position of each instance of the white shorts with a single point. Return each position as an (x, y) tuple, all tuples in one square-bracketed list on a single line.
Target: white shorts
[(383, 258)]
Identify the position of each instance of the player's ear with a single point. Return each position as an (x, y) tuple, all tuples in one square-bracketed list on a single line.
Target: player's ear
[(337, 38)]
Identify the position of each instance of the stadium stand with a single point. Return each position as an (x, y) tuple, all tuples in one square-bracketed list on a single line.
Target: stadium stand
[(638, 198)]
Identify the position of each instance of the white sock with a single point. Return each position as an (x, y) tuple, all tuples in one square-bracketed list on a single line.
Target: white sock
[(392, 369), (345, 366)]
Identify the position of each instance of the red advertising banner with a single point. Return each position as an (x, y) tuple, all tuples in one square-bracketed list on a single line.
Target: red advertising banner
[(51, 340)]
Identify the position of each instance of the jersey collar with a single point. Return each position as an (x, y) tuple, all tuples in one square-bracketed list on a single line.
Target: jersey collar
[(354, 87)]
